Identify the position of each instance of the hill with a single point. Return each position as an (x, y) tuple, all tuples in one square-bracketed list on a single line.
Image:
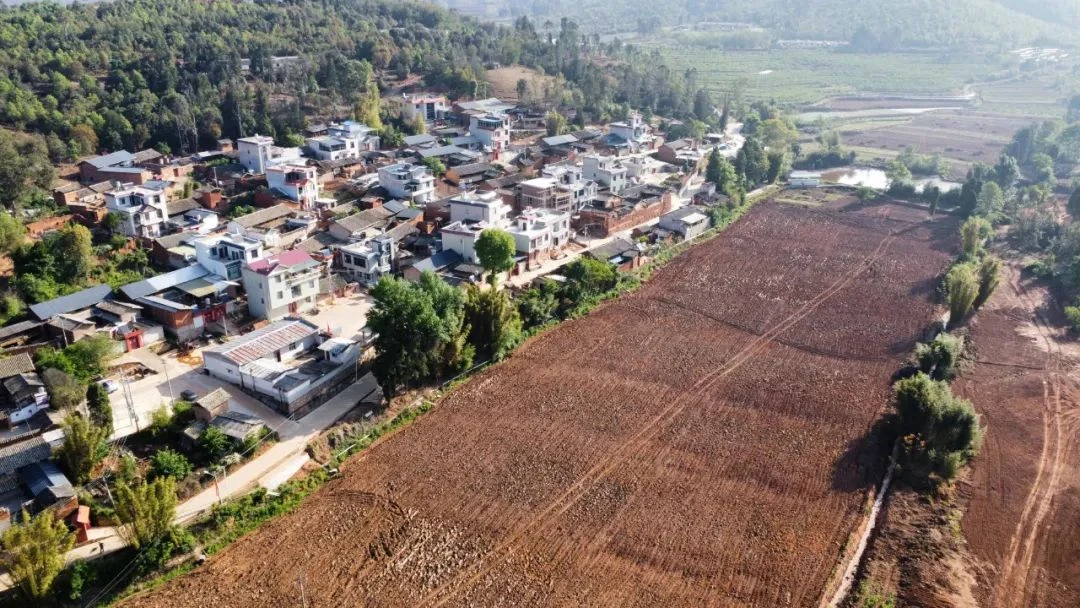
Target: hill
[(917, 22)]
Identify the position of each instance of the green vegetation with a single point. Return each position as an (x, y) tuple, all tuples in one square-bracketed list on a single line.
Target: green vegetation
[(97, 401), (214, 443), (493, 321), (939, 358), (65, 392), (83, 448), (495, 249), (146, 510), (169, 463), (940, 432), (83, 360), (34, 553)]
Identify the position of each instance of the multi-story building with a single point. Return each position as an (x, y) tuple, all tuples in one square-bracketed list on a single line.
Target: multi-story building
[(539, 232), (562, 187), (485, 207), (142, 210), (428, 106), (366, 262), (492, 131), (408, 181), (282, 284), (607, 171), (634, 131), (296, 182), (460, 237), (345, 140), (225, 254), (258, 153)]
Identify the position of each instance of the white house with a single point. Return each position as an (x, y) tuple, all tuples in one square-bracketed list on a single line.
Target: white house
[(366, 262), (258, 152), (427, 106), (804, 179), (687, 222), (460, 237), (288, 361), (634, 131), (539, 232), (345, 140), (282, 284), (142, 210), (225, 254), (408, 181), (607, 171), (296, 182), (492, 131), (485, 207)]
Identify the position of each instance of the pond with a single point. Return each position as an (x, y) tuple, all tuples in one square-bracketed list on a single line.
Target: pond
[(876, 179)]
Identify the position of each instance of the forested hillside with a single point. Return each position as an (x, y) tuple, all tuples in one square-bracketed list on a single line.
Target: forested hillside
[(916, 22)]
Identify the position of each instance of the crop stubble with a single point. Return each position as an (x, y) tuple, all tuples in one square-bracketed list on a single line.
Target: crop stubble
[(701, 442)]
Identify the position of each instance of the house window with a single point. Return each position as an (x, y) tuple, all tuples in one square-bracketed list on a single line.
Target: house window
[(296, 291), (311, 284), (280, 295)]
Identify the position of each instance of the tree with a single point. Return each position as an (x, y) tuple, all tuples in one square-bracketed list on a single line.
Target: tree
[(777, 134), (215, 442), (865, 193), (169, 463), (703, 105), (97, 401), (555, 123), (973, 234), (897, 171), (84, 446), (1074, 203), (435, 165), (65, 392), (146, 510), (777, 166), (539, 305), (989, 275), (990, 202), (494, 322), (34, 553), (12, 233), (522, 90), (940, 431), (932, 194), (1006, 171), (74, 253), (495, 249), (418, 125), (938, 359), (962, 287), (587, 278), (420, 331), (1044, 169), (112, 222)]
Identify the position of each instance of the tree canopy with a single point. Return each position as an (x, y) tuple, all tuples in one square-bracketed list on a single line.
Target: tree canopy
[(495, 249), (34, 552)]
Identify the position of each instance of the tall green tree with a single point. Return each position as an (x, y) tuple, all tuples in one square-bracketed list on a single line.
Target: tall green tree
[(74, 253), (97, 401), (12, 233), (65, 392), (941, 432), (146, 510), (84, 446), (989, 276), (1006, 171), (973, 234), (495, 249), (34, 552), (991, 201), (962, 287), (494, 322), (1074, 203)]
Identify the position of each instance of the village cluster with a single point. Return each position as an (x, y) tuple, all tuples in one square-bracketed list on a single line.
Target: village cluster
[(266, 252)]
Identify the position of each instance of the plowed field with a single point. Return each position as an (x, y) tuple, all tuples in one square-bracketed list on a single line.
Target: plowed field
[(700, 442), (1024, 498)]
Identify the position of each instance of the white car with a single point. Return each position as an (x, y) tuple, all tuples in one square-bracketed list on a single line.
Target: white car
[(110, 385)]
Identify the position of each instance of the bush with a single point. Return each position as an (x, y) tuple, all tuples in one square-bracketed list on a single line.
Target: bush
[(938, 359), (215, 443), (962, 287), (940, 431), (1072, 313), (169, 463)]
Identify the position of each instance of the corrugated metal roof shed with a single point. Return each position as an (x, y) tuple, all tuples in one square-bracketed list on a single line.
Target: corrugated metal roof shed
[(262, 342), (161, 282), (71, 302)]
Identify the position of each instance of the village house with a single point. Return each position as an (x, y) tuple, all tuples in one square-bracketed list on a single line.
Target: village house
[(298, 183), (225, 254), (116, 166), (407, 181), (23, 392), (185, 301), (258, 153), (540, 233), (367, 262), (492, 131), (142, 210), (610, 213), (804, 179), (288, 363), (687, 222), (561, 187), (607, 171), (357, 227), (343, 141), (282, 284), (623, 254), (429, 107), (470, 174), (277, 226)]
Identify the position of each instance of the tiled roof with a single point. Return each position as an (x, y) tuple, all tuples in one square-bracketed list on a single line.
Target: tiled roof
[(15, 365), (288, 259), (213, 400), (76, 301), (18, 328), (20, 454), (181, 206), (263, 216), (364, 219), (263, 341)]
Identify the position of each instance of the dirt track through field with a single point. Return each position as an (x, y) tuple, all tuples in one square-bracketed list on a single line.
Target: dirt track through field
[(668, 449)]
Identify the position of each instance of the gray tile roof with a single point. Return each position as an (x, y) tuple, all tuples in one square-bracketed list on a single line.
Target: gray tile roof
[(15, 365), (72, 302), (262, 216), (109, 160), (261, 342), (18, 455)]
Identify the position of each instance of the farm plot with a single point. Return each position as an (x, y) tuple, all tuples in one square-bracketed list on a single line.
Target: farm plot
[(1024, 497), (956, 143), (702, 442)]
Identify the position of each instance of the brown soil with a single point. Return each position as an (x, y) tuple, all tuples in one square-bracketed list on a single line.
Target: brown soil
[(704, 441), (504, 81), (1024, 496), (963, 136)]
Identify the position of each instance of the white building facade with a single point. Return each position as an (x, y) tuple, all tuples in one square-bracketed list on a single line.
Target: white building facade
[(280, 285), (258, 153), (142, 210), (606, 171), (296, 182), (408, 181)]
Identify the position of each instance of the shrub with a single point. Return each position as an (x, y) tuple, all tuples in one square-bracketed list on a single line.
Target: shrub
[(962, 287), (214, 442), (938, 359), (940, 431), (1072, 313), (169, 463)]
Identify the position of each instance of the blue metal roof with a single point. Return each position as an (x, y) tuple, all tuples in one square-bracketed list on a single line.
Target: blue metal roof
[(71, 302), (42, 475)]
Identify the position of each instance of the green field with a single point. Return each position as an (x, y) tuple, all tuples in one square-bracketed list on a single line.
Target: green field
[(803, 76)]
